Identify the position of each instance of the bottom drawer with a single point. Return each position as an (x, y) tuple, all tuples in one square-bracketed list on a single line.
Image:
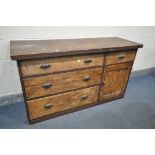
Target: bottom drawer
[(49, 105)]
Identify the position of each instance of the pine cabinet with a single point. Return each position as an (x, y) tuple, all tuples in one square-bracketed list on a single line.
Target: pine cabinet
[(65, 75)]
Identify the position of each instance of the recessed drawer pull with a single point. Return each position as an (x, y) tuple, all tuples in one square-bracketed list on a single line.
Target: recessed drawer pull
[(84, 97), (120, 57), (86, 78), (48, 106), (44, 66), (46, 85), (88, 61)]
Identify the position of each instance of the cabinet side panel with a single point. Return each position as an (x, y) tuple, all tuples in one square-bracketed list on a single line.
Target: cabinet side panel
[(23, 89), (129, 73)]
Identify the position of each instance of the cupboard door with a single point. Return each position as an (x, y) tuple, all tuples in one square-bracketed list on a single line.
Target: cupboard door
[(114, 80)]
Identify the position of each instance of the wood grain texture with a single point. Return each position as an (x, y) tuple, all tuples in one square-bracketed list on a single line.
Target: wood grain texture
[(61, 82), (61, 113), (56, 80), (120, 57), (114, 80), (23, 90), (62, 102), (30, 49), (33, 67)]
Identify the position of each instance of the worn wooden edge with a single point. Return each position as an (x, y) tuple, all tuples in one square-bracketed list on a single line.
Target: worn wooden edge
[(62, 92), (58, 72), (74, 109), (129, 74), (103, 70), (23, 89), (72, 53)]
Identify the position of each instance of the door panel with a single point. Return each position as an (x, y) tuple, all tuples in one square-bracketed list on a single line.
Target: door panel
[(114, 80)]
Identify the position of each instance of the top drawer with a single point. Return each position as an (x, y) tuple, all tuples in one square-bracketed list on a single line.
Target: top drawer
[(53, 65), (120, 57)]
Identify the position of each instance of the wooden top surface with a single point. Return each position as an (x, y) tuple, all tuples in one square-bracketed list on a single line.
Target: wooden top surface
[(30, 49)]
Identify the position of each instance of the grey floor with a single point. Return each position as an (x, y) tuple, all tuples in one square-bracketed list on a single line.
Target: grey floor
[(135, 110)]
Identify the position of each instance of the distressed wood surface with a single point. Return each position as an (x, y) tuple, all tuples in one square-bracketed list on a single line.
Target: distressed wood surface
[(32, 68), (31, 49), (61, 82), (114, 80), (38, 107), (56, 80), (120, 57)]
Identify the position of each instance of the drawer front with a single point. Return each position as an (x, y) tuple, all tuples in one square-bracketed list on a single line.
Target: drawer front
[(52, 65), (114, 58), (48, 105), (56, 83)]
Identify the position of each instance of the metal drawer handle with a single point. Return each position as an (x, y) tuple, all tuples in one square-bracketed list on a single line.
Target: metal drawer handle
[(84, 97), (120, 57), (48, 105), (44, 66), (86, 78), (88, 61), (46, 85)]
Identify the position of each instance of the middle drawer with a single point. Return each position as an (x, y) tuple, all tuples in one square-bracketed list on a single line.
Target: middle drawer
[(57, 83)]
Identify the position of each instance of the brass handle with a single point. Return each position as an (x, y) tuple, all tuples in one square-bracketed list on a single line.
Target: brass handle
[(48, 105), (88, 61), (46, 85), (86, 78), (120, 57), (44, 66), (84, 97)]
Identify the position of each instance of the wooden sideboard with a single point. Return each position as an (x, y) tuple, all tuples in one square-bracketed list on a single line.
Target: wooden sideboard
[(65, 75)]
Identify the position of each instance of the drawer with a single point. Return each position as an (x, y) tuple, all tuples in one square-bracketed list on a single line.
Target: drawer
[(53, 104), (56, 83), (114, 58), (53, 65)]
